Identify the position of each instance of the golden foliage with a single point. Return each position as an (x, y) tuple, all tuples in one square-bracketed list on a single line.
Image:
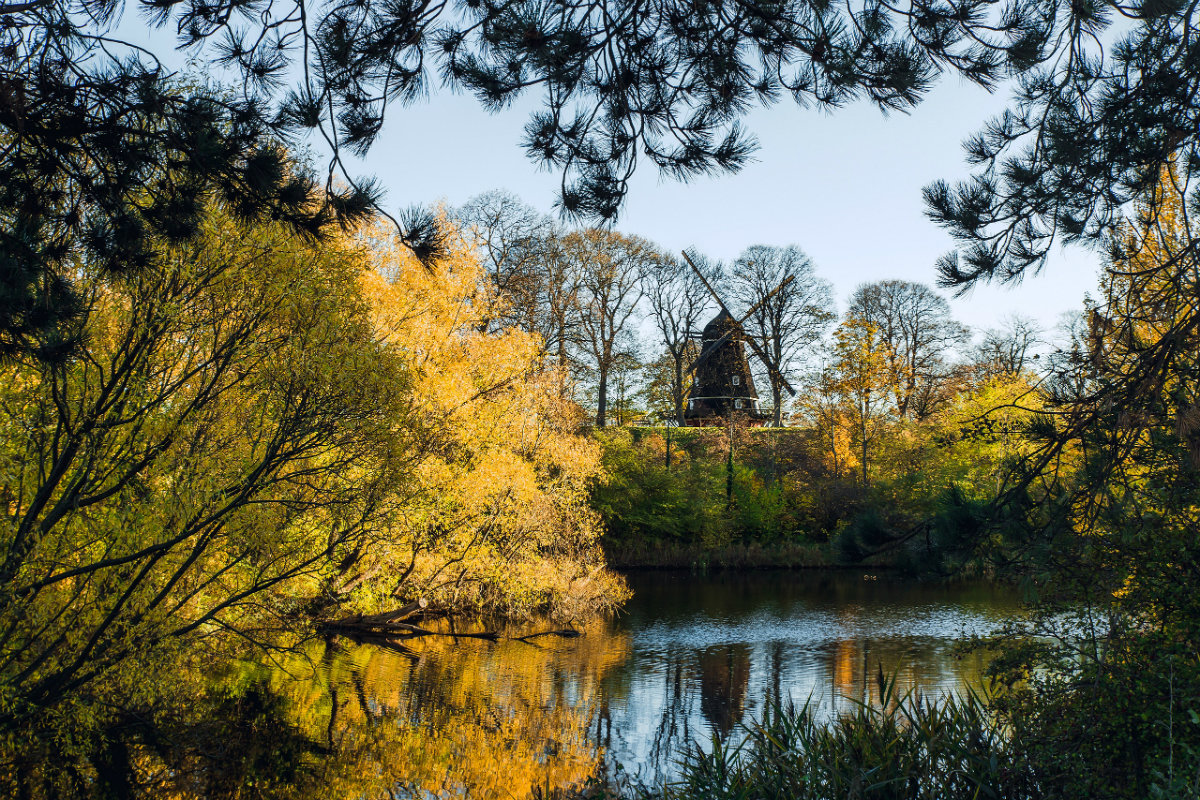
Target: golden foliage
[(496, 513), (262, 428), (445, 716)]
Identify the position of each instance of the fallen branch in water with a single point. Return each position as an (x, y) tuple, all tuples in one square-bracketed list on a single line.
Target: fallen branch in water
[(351, 625), (390, 625), (386, 618), (566, 633), (379, 626)]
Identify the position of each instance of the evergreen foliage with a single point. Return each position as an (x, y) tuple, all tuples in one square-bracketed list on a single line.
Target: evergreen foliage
[(103, 152)]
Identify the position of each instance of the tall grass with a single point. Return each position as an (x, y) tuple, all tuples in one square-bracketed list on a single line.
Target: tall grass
[(902, 747)]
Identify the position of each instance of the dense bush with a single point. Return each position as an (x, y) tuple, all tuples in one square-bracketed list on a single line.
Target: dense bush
[(700, 504), (692, 490)]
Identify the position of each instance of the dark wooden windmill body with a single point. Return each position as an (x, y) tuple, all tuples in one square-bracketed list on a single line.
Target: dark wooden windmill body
[(722, 385)]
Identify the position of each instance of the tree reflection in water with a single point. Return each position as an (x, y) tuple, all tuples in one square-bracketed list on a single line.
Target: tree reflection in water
[(724, 676), (460, 717)]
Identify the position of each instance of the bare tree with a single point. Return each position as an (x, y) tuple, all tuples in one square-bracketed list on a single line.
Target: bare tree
[(513, 240), (523, 250), (786, 322), (916, 327), (559, 319), (678, 301), (626, 377), (610, 268), (1008, 350)]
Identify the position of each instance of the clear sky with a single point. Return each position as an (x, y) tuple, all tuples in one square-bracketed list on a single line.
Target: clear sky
[(845, 187)]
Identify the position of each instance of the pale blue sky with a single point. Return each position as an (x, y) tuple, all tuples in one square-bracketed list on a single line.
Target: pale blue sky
[(845, 187)]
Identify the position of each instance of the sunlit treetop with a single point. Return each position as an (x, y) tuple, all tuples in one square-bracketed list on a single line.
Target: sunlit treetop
[(102, 149)]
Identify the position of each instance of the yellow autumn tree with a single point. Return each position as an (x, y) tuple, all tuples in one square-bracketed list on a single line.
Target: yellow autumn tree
[(973, 442), (199, 471), (823, 409), (861, 370), (264, 430), (495, 515), (1149, 287)]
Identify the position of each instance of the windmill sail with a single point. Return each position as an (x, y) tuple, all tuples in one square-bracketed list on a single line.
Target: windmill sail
[(722, 385)]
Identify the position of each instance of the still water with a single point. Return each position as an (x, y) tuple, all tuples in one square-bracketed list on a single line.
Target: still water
[(691, 657)]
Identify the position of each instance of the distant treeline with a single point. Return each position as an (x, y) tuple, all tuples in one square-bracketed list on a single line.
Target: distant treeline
[(619, 315)]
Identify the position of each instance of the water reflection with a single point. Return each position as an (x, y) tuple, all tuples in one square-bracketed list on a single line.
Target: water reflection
[(709, 653), (454, 716), (691, 658), (724, 676)]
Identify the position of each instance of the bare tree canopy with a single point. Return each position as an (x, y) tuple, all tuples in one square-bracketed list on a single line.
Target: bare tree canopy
[(1008, 350), (788, 322), (678, 303), (514, 241), (917, 332), (611, 268), (536, 271)]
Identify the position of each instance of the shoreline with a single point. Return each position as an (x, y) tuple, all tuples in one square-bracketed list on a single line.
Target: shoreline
[(752, 556)]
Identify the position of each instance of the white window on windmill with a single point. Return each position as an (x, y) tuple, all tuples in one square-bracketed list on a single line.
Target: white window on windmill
[(738, 402), (737, 380)]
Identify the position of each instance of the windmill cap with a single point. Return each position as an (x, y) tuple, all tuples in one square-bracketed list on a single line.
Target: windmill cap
[(720, 325)]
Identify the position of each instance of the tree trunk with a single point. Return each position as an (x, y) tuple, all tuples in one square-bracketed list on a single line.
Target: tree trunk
[(562, 364), (677, 391), (602, 399), (777, 398), (837, 467), (386, 618), (729, 472), (864, 450)]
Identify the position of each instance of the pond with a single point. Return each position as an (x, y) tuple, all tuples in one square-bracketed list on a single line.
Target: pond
[(691, 658)]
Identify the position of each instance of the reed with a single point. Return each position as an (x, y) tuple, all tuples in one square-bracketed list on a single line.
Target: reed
[(903, 746)]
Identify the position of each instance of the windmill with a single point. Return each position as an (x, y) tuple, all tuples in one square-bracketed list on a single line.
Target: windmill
[(722, 385)]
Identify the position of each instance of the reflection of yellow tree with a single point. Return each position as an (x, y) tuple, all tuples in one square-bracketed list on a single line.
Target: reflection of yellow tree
[(448, 716), (855, 664), (846, 659)]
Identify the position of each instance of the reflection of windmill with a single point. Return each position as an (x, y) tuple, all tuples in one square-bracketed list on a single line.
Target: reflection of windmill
[(722, 385)]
